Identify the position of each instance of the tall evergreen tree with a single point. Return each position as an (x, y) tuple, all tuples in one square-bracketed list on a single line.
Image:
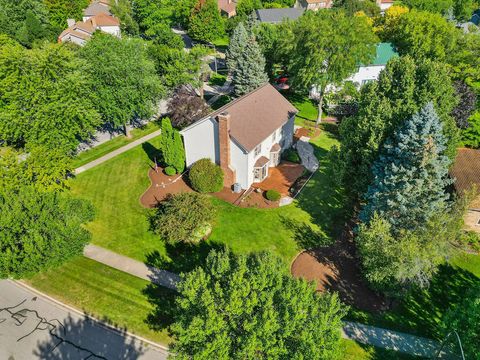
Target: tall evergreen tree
[(178, 152), (411, 174), (171, 146), (235, 48), (249, 71)]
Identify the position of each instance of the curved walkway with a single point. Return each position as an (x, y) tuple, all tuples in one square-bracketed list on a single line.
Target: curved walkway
[(116, 152), (365, 334)]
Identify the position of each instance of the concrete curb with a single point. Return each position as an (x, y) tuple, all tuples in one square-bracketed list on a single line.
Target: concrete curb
[(97, 321)]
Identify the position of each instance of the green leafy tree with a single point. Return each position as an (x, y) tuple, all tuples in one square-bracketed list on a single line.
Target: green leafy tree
[(61, 10), (410, 175), (368, 7), (183, 11), (171, 146), (324, 48), (151, 13), (40, 230), (471, 135), (44, 98), (25, 20), (246, 7), (206, 23), (433, 6), (465, 62), (463, 9), (465, 320), (123, 79), (422, 34), (268, 37), (246, 61), (402, 89), (184, 217), (248, 306), (123, 10)]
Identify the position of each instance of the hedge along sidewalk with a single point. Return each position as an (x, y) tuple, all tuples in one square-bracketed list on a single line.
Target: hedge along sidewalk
[(370, 335), (132, 267), (116, 152)]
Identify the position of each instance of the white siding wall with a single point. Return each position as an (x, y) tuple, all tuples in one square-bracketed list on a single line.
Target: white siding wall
[(239, 162), (284, 136), (73, 39), (201, 141), (366, 73), (113, 30)]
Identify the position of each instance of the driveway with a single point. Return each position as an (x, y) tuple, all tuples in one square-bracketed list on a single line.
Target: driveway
[(33, 327)]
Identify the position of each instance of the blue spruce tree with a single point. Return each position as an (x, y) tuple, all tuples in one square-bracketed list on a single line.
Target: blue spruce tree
[(410, 175)]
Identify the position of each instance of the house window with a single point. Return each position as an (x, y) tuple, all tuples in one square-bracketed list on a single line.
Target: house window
[(258, 150), (274, 137)]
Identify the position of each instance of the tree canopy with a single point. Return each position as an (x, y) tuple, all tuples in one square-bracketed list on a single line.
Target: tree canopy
[(44, 97), (248, 306), (122, 79), (325, 47), (206, 23)]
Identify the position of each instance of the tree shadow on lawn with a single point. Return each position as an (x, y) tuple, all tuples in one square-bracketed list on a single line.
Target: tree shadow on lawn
[(163, 301), (152, 152), (421, 311), (304, 235), (182, 257)]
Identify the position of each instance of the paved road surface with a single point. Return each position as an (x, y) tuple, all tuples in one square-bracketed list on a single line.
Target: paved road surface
[(33, 327), (117, 152)]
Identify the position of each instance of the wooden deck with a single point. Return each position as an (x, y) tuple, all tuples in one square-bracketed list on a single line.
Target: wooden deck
[(281, 178)]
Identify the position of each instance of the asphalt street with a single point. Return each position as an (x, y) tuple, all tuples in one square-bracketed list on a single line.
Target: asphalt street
[(34, 327)]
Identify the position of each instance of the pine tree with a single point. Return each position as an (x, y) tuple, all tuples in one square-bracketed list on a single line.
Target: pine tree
[(411, 174), (237, 43), (172, 146), (249, 72)]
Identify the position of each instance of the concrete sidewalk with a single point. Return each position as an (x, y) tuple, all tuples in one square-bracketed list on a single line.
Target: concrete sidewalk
[(132, 267), (114, 153)]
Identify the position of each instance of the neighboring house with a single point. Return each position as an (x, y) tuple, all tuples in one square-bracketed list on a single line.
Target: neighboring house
[(371, 72), (466, 172), (384, 4), (276, 16), (245, 137), (96, 8), (473, 25), (79, 32), (228, 7), (313, 4)]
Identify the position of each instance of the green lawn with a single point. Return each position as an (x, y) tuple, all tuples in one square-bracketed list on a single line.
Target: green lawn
[(356, 351), (121, 223), (421, 311), (111, 295), (221, 42), (307, 108), (117, 142)]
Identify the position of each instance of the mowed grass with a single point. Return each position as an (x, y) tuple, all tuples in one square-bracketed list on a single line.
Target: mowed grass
[(307, 108), (115, 297), (122, 225), (114, 187), (98, 151), (356, 351), (422, 310)]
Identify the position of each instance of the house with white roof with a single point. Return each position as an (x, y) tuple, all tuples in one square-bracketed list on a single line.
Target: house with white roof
[(245, 137)]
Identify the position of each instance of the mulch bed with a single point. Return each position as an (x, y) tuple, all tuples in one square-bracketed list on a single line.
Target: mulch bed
[(161, 186), (335, 268), (308, 132)]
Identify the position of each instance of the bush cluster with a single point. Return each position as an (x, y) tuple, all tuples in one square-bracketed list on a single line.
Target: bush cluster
[(273, 195), (206, 177), (291, 155), (170, 171)]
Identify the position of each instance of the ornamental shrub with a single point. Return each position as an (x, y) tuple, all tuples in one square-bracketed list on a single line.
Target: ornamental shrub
[(291, 155), (272, 195), (170, 171), (184, 217), (206, 177)]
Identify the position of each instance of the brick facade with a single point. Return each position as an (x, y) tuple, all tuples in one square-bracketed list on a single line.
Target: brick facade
[(224, 147)]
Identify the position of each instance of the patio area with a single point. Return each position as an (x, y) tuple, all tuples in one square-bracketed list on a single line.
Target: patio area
[(281, 178)]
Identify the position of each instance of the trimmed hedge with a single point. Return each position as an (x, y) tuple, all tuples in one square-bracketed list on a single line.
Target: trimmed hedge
[(291, 155), (206, 177), (273, 195), (170, 170)]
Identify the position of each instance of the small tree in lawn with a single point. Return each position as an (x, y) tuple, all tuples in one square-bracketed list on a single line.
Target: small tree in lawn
[(185, 107), (324, 48), (171, 146), (206, 23), (184, 217), (249, 72), (249, 307), (411, 175)]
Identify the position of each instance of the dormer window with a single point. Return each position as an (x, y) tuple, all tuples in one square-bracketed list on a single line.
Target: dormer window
[(258, 150)]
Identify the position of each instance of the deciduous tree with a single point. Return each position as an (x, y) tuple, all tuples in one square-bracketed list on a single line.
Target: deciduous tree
[(248, 306), (324, 48), (61, 10), (185, 107), (205, 23), (466, 105), (433, 6), (122, 78)]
